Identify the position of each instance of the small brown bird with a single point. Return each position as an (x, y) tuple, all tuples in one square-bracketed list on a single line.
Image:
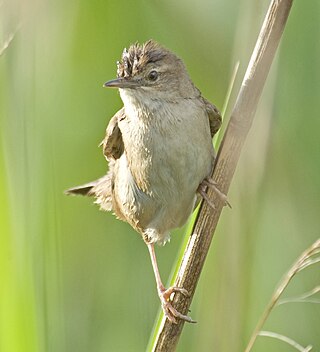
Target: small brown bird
[(159, 150)]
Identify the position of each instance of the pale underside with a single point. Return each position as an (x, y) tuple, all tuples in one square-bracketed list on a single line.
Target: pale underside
[(156, 162)]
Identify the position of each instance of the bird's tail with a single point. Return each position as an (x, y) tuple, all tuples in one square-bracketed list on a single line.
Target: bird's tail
[(83, 190), (101, 189)]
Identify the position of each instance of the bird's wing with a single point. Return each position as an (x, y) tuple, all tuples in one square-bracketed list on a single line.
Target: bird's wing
[(113, 148), (214, 116), (112, 143)]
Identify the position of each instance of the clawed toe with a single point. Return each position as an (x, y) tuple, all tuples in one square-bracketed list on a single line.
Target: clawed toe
[(172, 314), (209, 182), (165, 294), (169, 311), (168, 292), (204, 195)]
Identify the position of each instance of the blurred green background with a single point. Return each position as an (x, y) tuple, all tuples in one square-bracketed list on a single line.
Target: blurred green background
[(75, 279)]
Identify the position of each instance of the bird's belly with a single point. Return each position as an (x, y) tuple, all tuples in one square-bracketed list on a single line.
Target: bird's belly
[(162, 168), (170, 183), (175, 181)]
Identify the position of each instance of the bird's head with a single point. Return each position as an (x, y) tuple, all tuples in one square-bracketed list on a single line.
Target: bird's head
[(152, 71)]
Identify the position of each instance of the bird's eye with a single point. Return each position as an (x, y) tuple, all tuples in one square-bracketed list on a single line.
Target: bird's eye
[(153, 75)]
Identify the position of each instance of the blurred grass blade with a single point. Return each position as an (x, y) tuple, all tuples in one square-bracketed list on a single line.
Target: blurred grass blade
[(304, 298), (301, 263), (285, 339), (17, 301), (217, 138), (5, 45)]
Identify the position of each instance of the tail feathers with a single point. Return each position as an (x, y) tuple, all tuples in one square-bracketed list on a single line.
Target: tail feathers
[(83, 190), (101, 189)]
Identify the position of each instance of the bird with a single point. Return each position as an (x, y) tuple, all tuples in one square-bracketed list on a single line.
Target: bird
[(159, 151)]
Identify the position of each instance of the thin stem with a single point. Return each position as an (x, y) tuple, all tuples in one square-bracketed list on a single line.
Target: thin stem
[(277, 293), (217, 138), (285, 339), (304, 298)]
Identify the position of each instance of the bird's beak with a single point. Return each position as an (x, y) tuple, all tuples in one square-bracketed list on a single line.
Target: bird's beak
[(122, 83)]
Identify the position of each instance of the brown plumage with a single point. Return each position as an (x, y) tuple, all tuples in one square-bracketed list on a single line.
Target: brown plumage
[(159, 150), (138, 56)]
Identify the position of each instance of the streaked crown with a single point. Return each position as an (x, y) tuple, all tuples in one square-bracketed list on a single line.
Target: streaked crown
[(138, 56)]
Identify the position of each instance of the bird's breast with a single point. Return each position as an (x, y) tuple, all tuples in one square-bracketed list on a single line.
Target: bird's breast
[(168, 152), (169, 149)]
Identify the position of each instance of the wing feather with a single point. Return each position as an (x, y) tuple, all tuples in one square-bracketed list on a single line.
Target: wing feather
[(112, 143), (214, 116)]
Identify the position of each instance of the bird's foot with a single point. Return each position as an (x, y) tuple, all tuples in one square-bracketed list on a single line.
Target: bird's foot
[(209, 182), (169, 311)]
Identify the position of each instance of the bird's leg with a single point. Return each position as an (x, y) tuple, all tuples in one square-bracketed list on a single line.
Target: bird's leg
[(209, 182), (164, 294)]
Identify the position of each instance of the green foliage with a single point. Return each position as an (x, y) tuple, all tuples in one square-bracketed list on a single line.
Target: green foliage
[(74, 278)]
